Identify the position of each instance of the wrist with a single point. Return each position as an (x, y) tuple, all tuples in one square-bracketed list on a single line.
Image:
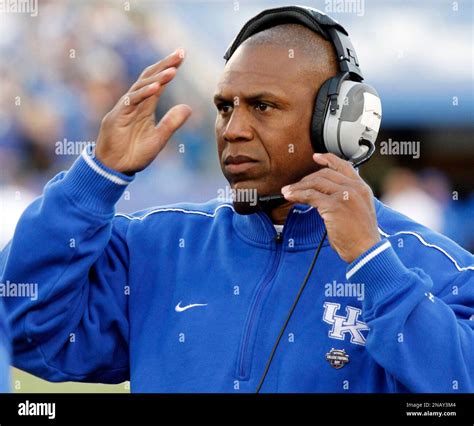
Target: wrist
[(94, 186), (100, 154), (363, 247)]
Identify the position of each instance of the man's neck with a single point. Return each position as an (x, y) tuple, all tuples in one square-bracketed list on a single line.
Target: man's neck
[(279, 213)]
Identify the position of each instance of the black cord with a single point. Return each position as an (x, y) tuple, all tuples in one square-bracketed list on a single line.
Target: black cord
[(290, 313)]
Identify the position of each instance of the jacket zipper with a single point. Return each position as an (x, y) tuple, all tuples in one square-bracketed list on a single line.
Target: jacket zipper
[(243, 359)]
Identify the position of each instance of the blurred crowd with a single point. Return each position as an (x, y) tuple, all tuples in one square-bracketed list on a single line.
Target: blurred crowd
[(62, 71), (428, 198)]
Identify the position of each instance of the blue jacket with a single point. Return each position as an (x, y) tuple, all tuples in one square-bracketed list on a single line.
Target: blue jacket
[(4, 351), (191, 297)]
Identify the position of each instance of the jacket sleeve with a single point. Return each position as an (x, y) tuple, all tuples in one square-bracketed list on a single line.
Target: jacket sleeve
[(421, 326), (66, 273)]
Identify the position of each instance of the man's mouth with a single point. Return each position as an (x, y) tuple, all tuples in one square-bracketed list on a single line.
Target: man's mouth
[(239, 163)]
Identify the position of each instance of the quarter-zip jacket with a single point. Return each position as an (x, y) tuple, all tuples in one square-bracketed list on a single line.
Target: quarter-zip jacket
[(191, 297)]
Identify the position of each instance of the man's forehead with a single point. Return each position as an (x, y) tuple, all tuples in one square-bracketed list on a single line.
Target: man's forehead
[(250, 76), (256, 70), (251, 81)]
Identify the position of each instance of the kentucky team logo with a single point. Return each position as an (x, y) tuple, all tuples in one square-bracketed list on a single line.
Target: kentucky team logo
[(342, 325)]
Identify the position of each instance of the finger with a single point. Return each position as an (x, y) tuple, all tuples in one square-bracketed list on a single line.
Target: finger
[(154, 88), (307, 196), (148, 105), (171, 122), (332, 175), (313, 181), (134, 98), (173, 60), (335, 163), (162, 77)]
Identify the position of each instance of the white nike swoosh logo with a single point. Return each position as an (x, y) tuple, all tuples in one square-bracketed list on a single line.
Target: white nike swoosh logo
[(179, 308)]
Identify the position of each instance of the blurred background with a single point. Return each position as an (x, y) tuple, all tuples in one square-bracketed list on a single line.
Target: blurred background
[(63, 67)]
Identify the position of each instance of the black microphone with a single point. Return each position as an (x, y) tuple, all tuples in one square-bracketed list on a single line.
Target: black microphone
[(269, 202), (271, 198)]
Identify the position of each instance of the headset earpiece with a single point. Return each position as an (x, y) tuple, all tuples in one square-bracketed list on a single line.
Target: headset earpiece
[(346, 119), (318, 119)]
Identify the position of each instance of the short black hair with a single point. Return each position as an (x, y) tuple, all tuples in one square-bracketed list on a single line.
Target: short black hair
[(303, 42)]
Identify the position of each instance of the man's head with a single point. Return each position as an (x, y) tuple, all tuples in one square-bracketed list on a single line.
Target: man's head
[(265, 101)]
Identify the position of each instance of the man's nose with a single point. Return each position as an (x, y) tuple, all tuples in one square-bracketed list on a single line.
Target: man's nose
[(238, 127)]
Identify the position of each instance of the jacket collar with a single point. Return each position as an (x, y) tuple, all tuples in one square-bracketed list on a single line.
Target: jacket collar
[(303, 228)]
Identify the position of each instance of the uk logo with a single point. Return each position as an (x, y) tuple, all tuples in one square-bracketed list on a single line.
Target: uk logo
[(343, 325)]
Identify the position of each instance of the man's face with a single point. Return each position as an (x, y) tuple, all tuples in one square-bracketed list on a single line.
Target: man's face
[(265, 101)]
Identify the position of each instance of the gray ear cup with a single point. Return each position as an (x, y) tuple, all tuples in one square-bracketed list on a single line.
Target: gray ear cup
[(317, 121), (351, 132)]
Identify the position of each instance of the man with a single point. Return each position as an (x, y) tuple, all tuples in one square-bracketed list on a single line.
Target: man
[(192, 297)]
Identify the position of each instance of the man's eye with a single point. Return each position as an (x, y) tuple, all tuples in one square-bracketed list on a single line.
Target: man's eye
[(262, 107), (224, 108)]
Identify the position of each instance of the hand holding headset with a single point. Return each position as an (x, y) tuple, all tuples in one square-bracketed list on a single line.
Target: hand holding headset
[(346, 114)]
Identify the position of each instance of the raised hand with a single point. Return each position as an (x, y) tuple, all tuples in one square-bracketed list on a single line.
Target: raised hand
[(129, 137)]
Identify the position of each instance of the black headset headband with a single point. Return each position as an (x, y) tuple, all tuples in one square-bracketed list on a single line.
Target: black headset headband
[(311, 18)]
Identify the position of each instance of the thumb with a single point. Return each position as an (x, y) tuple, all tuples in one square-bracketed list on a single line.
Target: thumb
[(172, 121)]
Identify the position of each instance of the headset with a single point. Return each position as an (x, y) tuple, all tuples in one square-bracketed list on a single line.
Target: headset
[(346, 114)]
